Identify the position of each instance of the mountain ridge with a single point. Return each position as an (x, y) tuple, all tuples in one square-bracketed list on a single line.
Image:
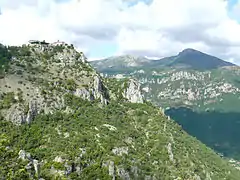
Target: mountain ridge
[(68, 122), (188, 58), (201, 60)]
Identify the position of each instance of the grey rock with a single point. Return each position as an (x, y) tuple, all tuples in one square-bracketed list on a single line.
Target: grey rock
[(24, 155), (82, 58), (28, 166), (58, 159), (134, 170), (111, 170), (69, 169), (16, 113), (78, 170), (99, 90), (32, 112), (36, 166), (196, 177), (170, 153), (33, 163), (83, 93), (119, 151), (96, 91), (123, 174), (54, 171), (133, 92)]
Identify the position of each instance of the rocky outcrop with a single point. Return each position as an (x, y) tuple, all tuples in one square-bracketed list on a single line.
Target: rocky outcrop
[(169, 149), (111, 168), (99, 90), (18, 115), (133, 93), (82, 58), (119, 151), (33, 164), (123, 174), (117, 171), (60, 70), (32, 111), (21, 113), (96, 90), (84, 93)]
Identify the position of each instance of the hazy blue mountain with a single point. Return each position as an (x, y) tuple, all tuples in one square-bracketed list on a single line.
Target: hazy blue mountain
[(197, 60), (188, 58)]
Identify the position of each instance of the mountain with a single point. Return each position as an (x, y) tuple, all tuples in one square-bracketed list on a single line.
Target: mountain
[(197, 60), (121, 62), (204, 101), (188, 58), (61, 120)]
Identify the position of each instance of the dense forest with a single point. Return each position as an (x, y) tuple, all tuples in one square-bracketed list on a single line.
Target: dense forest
[(5, 57)]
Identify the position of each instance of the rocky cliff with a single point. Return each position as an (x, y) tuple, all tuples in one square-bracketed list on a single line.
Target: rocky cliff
[(40, 75), (133, 92), (75, 124)]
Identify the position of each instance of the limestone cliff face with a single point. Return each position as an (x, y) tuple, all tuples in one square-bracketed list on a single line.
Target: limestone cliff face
[(133, 92), (40, 76), (96, 90), (18, 115)]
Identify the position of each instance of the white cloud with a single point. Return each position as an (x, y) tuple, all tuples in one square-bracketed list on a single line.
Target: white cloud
[(160, 29), (27, 22)]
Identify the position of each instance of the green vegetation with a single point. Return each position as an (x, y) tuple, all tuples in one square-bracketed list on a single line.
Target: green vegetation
[(5, 57), (210, 95), (7, 100), (139, 127), (217, 128), (117, 87), (71, 138), (22, 51), (70, 85), (58, 49)]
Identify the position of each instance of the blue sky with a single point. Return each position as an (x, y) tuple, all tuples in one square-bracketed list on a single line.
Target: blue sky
[(232, 2), (104, 49)]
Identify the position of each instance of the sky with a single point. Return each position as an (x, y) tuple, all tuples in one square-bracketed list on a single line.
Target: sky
[(103, 28)]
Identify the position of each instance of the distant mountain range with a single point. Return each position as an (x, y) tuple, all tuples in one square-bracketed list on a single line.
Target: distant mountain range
[(201, 92), (188, 58), (195, 59)]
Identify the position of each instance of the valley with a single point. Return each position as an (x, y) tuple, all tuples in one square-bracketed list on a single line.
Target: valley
[(204, 102)]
